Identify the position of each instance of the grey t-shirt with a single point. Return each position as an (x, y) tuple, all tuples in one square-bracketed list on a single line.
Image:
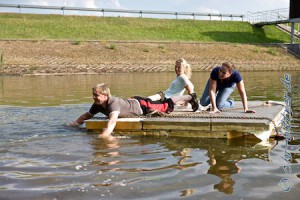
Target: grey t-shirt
[(125, 107)]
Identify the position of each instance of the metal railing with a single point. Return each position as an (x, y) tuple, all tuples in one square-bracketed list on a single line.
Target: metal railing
[(140, 13), (268, 16)]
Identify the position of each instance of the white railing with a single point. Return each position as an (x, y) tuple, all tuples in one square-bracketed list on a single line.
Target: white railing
[(268, 16), (140, 13)]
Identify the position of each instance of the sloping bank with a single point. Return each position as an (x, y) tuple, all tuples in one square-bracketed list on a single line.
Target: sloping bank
[(35, 57), (82, 44)]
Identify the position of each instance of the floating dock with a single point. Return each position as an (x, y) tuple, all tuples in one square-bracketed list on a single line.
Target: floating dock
[(230, 123)]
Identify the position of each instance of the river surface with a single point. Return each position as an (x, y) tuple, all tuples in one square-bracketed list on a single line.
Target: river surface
[(41, 158)]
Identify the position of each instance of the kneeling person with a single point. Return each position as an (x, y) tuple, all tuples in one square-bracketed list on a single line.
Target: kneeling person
[(114, 107)]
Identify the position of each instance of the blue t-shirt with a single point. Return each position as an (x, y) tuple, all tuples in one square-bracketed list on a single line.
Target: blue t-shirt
[(235, 77)]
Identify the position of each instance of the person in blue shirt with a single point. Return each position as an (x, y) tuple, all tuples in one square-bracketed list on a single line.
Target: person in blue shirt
[(222, 82)]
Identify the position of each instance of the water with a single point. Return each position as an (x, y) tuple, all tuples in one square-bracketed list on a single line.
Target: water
[(43, 159)]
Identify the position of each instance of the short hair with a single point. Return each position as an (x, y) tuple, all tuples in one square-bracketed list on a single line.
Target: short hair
[(102, 88), (186, 65), (229, 66)]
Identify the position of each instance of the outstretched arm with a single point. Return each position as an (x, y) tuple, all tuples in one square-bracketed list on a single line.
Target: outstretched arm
[(242, 91), (212, 95), (81, 119), (112, 121)]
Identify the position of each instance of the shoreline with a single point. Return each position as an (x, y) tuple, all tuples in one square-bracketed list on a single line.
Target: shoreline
[(55, 57)]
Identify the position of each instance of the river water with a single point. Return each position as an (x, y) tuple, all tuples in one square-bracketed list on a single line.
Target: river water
[(43, 159)]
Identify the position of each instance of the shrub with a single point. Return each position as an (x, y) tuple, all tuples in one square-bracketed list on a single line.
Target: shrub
[(112, 46)]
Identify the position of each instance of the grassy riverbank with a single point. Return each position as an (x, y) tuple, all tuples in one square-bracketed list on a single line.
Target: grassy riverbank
[(82, 28)]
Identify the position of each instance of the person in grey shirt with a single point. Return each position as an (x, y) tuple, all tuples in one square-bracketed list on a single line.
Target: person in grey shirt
[(115, 107)]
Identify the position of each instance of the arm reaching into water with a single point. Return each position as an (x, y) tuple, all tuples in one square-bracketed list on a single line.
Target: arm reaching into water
[(80, 120), (112, 121)]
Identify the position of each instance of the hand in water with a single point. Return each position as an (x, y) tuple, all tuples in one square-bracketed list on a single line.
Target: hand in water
[(73, 124), (107, 137)]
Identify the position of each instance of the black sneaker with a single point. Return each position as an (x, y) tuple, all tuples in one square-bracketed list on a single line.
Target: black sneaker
[(194, 102)]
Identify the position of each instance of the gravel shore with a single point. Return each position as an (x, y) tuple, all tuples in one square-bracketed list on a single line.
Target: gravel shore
[(46, 57)]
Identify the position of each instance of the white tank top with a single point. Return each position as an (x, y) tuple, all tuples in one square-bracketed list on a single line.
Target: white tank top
[(177, 87)]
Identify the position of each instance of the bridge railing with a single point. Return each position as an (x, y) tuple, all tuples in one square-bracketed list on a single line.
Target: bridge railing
[(268, 16), (103, 12)]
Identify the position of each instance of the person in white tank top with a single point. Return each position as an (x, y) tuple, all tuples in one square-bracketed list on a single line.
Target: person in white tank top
[(180, 84)]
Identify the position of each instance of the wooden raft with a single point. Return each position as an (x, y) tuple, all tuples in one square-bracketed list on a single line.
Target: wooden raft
[(229, 123)]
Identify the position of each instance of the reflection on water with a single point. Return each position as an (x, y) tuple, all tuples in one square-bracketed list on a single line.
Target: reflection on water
[(81, 166), (42, 159)]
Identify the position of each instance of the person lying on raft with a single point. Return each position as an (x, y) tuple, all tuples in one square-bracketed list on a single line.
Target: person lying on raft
[(114, 107), (222, 82)]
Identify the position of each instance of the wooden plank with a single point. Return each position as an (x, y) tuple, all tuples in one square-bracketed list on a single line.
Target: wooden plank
[(122, 124), (190, 124)]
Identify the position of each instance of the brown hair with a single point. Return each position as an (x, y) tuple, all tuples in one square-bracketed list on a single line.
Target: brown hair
[(229, 66)]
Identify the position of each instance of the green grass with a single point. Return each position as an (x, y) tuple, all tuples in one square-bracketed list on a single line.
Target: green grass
[(81, 28), (76, 42), (272, 51), (112, 47)]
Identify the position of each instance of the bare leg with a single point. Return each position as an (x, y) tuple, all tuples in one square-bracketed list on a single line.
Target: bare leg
[(177, 99), (191, 98)]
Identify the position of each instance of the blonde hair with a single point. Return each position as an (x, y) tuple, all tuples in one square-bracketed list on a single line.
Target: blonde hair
[(102, 88), (187, 67), (229, 66)]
